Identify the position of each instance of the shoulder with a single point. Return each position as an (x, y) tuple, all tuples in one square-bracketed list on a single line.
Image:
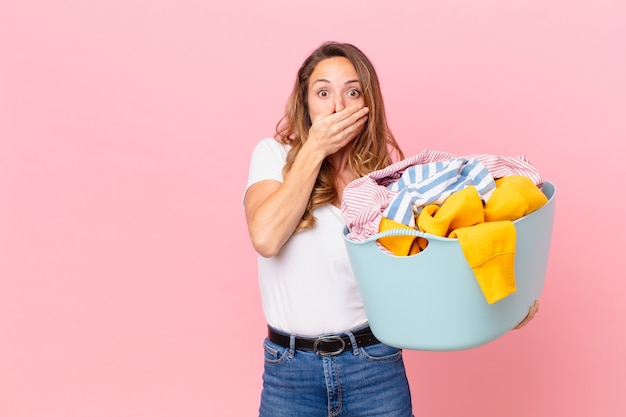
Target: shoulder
[(271, 146), (267, 161)]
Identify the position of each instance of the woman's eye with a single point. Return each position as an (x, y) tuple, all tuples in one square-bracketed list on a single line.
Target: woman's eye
[(354, 93), (322, 93)]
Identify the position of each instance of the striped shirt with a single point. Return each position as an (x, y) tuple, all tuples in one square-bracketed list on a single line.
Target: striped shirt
[(401, 189)]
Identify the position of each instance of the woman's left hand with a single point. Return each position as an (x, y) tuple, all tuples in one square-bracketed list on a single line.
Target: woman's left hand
[(531, 313)]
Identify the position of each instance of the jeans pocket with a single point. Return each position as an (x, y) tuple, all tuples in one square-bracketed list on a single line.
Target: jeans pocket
[(274, 354), (381, 352)]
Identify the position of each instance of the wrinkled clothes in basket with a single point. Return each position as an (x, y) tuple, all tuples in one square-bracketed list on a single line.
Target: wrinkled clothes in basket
[(457, 198)]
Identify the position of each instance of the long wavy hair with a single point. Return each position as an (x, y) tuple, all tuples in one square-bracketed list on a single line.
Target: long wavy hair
[(372, 149)]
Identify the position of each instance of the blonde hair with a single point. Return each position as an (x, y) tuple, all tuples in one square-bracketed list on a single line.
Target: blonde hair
[(371, 150)]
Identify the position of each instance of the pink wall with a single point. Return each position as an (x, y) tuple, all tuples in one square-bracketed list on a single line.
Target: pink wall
[(127, 283)]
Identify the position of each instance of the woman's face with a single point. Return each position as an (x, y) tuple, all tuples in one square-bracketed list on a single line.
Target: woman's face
[(333, 86)]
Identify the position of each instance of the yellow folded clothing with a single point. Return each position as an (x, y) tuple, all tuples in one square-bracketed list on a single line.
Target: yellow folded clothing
[(489, 249), (514, 197), (463, 208)]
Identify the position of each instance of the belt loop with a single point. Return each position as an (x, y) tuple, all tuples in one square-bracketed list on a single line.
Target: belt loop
[(355, 348), (292, 346)]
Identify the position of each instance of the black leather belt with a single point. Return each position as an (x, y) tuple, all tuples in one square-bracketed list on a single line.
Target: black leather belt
[(325, 345)]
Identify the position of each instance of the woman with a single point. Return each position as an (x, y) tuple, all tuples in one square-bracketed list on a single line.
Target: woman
[(320, 356), (321, 359)]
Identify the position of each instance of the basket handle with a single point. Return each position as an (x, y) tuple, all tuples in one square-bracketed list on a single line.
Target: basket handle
[(397, 232)]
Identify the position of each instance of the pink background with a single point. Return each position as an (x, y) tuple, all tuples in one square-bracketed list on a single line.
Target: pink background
[(127, 281)]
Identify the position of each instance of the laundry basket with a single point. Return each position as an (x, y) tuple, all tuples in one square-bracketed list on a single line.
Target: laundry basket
[(432, 301)]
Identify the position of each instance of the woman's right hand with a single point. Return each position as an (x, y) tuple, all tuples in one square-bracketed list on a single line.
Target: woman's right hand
[(330, 132)]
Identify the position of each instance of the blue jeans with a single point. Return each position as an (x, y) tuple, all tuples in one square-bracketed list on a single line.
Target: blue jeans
[(361, 382)]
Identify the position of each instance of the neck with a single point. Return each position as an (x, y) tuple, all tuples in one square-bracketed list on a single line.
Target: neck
[(339, 161), (341, 172)]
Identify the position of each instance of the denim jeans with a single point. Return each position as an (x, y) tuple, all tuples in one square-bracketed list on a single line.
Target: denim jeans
[(360, 382)]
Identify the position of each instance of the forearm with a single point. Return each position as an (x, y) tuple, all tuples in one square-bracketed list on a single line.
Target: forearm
[(274, 210)]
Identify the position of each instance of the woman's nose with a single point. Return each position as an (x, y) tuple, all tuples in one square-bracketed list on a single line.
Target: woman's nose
[(339, 104)]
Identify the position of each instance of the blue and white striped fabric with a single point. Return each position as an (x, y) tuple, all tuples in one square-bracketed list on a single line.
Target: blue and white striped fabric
[(423, 184)]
